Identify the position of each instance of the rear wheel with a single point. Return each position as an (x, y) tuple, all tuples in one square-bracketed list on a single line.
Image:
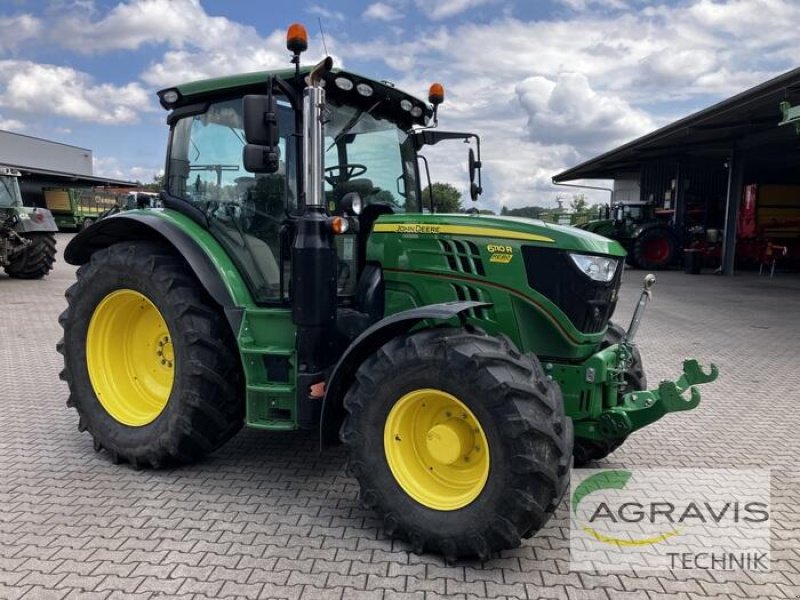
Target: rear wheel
[(149, 359), (654, 249), (458, 441), (36, 260), (587, 451)]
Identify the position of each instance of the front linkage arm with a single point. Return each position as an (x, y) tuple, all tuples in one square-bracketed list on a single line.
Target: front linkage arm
[(639, 409)]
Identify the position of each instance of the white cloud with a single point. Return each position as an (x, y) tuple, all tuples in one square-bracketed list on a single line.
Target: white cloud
[(29, 87), (443, 9), (547, 94), (325, 13), (130, 25), (11, 124), (569, 111), (381, 11), (543, 94), (113, 168), (17, 29), (198, 45), (579, 5)]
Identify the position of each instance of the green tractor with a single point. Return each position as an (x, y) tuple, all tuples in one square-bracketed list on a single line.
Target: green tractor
[(296, 279), (27, 234), (651, 243)]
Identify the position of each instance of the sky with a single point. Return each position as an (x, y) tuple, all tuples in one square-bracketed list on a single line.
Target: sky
[(547, 84)]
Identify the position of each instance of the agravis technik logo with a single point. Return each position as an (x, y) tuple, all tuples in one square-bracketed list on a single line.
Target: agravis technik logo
[(670, 518)]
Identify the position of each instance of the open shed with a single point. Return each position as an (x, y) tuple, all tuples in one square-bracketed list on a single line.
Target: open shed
[(703, 170)]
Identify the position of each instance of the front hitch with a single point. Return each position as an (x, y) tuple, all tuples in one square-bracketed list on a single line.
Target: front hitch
[(639, 409)]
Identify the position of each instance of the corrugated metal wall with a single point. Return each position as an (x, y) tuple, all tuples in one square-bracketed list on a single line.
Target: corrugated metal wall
[(35, 153)]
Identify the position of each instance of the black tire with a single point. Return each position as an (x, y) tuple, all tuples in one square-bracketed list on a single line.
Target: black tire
[(520, 410), (586, 451), (654, 249), (36, 260), (205, 407)]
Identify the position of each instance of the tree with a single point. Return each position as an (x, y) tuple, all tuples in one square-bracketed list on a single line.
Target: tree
[(578, 203), (531, 212), (446, 198), (156, 185)]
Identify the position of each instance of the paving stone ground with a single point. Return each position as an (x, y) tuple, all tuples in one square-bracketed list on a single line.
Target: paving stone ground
[(267, 516)]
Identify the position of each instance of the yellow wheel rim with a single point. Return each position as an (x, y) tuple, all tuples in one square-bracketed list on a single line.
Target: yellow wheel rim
[(130, 357), (436, 449)]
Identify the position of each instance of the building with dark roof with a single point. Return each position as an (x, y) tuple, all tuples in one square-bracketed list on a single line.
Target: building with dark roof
[(695, 170)]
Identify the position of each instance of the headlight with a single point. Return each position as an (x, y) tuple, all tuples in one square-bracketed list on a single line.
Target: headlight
[(343, 83), (364, 89), (599, 268)]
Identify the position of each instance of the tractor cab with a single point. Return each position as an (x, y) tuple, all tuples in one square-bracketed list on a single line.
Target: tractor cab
[(369, 146), (10, 196)]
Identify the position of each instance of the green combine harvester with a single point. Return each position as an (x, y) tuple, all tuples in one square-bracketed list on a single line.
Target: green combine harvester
[(27, 234), (296, 278)]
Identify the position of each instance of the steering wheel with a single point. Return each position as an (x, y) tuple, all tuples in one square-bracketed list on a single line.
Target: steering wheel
[(345, 172)]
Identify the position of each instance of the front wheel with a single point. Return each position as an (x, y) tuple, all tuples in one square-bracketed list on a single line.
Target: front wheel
[(36, 259), (458, 441), (150, 360)]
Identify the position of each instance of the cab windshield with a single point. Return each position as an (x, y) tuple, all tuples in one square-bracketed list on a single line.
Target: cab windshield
[(9, 192), (371, 156), (246, 211)]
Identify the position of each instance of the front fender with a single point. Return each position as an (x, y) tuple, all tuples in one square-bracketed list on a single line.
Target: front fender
[(207, 259), (35, 220), (368, 343)]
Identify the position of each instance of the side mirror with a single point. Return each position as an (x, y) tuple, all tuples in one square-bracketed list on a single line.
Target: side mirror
[(261, 153), (261, 120), (261, 159), (475, 189)]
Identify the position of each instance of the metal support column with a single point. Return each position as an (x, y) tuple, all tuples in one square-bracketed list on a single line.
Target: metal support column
[(678, 217), (733, 200)]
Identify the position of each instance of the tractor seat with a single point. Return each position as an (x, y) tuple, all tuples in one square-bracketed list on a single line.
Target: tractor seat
[(363, 186)]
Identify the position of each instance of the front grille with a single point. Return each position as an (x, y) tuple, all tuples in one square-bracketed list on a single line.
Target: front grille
[(462, 256), (587, 303), (467, 292)]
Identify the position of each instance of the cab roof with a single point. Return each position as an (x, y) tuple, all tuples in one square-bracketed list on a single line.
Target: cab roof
[(207, 90)]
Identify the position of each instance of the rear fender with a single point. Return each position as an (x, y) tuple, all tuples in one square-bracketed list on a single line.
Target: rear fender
[(209, 262), (367, 344)]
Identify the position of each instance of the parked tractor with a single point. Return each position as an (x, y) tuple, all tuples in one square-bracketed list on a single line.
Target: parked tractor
[(296, 278), (651, 243), (27, 234)]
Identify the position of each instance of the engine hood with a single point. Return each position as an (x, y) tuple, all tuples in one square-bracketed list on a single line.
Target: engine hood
[(500, 228)]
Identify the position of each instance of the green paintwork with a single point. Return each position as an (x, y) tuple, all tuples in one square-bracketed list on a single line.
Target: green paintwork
[(604, 227), (78, 212), (432, 258), (639, 409), (791, 115), (264, 332), (417, 272), (235, 284), (26, 222)]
